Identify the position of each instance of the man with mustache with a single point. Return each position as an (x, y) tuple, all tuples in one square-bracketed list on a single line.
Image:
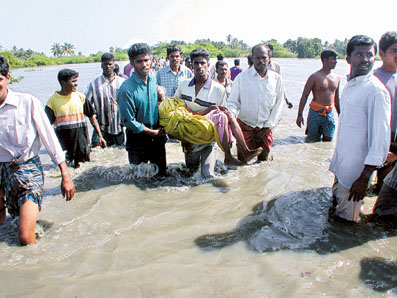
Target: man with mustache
[(138, 102), (363, 136), (257, 98)]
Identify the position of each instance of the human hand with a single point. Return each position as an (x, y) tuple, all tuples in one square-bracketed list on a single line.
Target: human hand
[(390, 158), (102, 142), (67, 188), (358, 189), (300, 121), (262, 133)]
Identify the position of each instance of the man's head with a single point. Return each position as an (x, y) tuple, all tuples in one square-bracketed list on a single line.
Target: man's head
[(361, 52), (219, 57), (221, 69), (249, 60), (188, 62), (174, 56), (68, 79), (140, 58), (107, 64), (261, 58), (236, 62), (270, 46), (200, 61), (4, 78), (388, 50), (329, 58)]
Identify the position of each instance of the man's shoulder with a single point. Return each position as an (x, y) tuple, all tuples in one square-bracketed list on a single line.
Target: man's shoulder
[(20, 97)]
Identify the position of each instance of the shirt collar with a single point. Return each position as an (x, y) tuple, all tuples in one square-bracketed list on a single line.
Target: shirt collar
[(11, 99), (138, 80), (359, 79), (207, 83), (255, 73)]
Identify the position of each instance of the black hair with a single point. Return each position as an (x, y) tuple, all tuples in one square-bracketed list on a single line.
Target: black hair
[(200, 52), (270, 46), (4, 67), (107, 57), (249, 58), (387, 39), (236, 61), (328, 53), (138, 49), (172, 48), (260, 45), (219, 57), (220, 63), (360, 40), (65, 74), (116, 68)]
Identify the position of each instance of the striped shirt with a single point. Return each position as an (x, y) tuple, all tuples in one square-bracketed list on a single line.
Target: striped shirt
[(67, 110), (170, 81), (102, 95)]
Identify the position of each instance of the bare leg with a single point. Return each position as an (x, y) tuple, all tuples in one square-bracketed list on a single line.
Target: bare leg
[(229, 158), (247, 154), (28, 213)]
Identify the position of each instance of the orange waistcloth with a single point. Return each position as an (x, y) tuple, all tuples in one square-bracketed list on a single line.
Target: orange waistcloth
[(318, 107)]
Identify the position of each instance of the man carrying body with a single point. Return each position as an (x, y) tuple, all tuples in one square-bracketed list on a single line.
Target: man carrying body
[(235, 70), (102, 95), (201, 95), (23, 124), (221, 76), (363, 136), (171, 75), (257, 96), (138, 101), (386, 204), (325, 88)]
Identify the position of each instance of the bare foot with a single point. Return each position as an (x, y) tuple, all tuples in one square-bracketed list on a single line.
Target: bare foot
[(233, 162), (252, 154)]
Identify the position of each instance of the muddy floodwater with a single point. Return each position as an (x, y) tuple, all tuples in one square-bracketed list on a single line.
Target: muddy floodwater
[(256, 231)]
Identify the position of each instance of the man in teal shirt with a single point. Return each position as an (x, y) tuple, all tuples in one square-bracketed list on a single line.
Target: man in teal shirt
[(138, 102)]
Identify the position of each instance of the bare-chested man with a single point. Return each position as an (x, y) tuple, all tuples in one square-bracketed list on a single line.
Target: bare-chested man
[(325, 88)]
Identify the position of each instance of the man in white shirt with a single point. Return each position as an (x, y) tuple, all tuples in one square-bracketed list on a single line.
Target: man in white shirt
[(23, 124), (257, 100), (363, 136), (201, 95)]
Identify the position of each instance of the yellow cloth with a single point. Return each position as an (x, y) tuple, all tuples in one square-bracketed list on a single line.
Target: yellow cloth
[(180, 124)]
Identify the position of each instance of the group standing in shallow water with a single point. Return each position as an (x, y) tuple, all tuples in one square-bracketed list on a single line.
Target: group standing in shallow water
[(365, 137)]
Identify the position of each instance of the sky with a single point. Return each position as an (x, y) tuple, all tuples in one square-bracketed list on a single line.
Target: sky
[(96, 25)]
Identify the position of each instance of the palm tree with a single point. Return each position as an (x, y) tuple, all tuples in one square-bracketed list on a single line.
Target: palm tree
[(56, 50), (68, 49), (229, 38)]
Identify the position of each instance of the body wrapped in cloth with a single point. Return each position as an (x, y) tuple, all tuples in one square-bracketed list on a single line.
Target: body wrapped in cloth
[(181, 124)]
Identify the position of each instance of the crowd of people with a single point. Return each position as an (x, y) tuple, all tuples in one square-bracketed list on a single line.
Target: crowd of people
[(243, 105)]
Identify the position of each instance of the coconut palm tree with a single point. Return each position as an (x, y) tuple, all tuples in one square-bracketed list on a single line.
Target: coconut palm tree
[(56, 50), (68, 49)]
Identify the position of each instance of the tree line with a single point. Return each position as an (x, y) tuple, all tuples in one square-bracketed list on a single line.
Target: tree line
[(233, 47)]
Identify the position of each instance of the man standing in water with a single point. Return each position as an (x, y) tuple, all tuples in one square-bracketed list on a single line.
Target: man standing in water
[(101, 94), (385, 207), (138, 101), (171, 75), (387, 73), (23, 125), (257, 97), (325, 88), (363, 136)]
